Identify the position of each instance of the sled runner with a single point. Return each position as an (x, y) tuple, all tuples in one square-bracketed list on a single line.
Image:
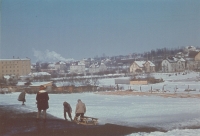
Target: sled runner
[(87, 120)]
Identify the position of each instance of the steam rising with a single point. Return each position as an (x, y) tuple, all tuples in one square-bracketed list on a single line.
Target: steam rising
[(49, 56)]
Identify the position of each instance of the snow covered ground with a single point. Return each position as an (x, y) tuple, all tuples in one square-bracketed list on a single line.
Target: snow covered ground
[(173, 81), (176, 115)]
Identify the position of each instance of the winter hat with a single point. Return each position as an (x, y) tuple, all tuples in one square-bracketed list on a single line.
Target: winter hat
[(42, 87)]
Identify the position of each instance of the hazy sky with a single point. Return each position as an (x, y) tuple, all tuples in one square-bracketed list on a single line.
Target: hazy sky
[(87, 28)]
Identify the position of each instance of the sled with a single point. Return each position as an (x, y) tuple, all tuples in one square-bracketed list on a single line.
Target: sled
[(87, 120)]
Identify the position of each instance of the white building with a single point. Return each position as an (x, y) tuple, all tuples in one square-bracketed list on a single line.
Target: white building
[(142, 66), (172, 64), (78, 68), (96, 67), (61, 66)]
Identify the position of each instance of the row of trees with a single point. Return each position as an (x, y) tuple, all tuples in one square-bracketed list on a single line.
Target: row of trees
[(160, 52)]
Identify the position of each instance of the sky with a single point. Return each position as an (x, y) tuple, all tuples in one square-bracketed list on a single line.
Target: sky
[(77, 29)]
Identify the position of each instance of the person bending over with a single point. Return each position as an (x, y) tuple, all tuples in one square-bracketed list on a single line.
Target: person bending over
[(68, 109)]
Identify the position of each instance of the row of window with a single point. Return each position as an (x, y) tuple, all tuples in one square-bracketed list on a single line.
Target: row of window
[(9, 67), (10, 71), (9, 74), (9, 62), (12, 66), (5, 71)]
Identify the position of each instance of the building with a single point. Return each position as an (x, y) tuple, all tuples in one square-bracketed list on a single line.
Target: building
[(149, 67), (94, 68), (142, 66), (193, 60), (86, 62), (172, 64), (97, 67), (61, 67), (17, 67), (78, 68)]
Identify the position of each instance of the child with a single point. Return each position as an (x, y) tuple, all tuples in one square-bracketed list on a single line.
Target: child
[(68, 109), (22, 97)]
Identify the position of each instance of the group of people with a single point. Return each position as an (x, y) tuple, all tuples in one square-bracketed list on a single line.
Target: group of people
[(42, 99), (79, 112)]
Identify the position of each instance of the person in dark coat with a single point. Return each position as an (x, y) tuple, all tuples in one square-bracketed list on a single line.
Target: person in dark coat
[(42, 98), (22, 97), (68, 109)]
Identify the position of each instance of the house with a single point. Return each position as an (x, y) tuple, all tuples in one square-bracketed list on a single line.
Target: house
[(78, 68), (86, 62), (97, 67), (142, 66), (173, 64), (193, 60), (189, 48), (102, 67), (180, 65), (149, 67), (94, 68), (61, 67)]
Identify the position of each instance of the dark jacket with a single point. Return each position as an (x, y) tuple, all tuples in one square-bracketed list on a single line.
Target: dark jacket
[(22, 96), (42, 98), (67, 107)]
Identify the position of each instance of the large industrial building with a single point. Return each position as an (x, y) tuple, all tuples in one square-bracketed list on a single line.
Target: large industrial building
[(17, 67)]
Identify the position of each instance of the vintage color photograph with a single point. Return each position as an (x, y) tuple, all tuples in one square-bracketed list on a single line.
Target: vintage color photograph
[(99, 67)]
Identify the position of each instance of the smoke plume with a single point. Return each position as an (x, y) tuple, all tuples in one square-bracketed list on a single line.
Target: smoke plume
[(49, 56)]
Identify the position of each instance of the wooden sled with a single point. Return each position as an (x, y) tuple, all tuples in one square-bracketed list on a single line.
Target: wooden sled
[(87, 120)]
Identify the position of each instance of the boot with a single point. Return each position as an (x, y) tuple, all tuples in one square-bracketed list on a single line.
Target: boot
[(65, 117)]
